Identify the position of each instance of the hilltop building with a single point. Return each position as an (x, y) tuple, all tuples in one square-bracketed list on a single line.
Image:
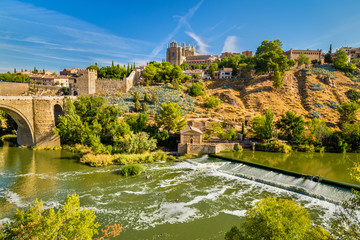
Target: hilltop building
[(176, 54), (293, 54), (351, 52), (228, 54), (200, 59)]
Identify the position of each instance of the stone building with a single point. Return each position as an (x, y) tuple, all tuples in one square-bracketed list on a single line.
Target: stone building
[(351, 52), (293, 54), (176, 54), (83, 83), (191, 135), (200, 59)]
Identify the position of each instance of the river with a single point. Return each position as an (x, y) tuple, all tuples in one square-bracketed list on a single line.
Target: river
[(181, 200)]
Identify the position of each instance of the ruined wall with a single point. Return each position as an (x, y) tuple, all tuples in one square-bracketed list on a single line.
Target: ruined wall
[(13, 89)]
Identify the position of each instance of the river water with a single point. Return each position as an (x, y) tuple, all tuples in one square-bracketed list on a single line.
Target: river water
[(181, 200)]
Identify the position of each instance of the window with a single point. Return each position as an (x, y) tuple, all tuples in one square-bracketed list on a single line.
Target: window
[(173, 54)]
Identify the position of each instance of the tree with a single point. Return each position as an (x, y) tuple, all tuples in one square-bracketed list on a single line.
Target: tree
[(341, 61), (154, 98), (262, 126), (318, 130), (94, 67), (70, 222), (138, 122), (136, 96), (137, 106), (302, 59), (291, 127), (270, 57), (212, 68), (139, 143), (212, 102), (196, 89), (184, 66), (277, 79), (170, 117), (273, 218), (146, 97), (328, 58), (144, 107), (350, 134), (348, 112), (195, 76)]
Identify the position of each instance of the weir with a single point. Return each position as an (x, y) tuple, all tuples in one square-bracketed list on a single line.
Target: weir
[(324, 189)]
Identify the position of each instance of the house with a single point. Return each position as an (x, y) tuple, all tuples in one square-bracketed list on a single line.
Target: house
[(224, 73), (191, 135)]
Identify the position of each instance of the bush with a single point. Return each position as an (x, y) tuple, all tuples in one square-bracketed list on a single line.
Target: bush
[(146, 98), (333, 104), (273, 218), (274, 146), (136, 97), (70, 222), (315, 115), (305, 148), (144, 107), (353, 95), (99, 160), (131, 170), (212, 102), (195, 90), (316, 87)]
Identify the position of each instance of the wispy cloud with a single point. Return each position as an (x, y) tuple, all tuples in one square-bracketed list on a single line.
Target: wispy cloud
[(202, 46), (30, 30), (183, 21), (230, 44)]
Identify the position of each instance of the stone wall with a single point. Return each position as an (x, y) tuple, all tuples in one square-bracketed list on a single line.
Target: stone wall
[(13, 89), (84, 83), (104, 85), (206, 148)]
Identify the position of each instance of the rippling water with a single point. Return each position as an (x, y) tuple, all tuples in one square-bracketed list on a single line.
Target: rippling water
[(180, 200)]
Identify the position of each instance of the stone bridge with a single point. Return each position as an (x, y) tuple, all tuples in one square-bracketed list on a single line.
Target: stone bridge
[(36, 118)]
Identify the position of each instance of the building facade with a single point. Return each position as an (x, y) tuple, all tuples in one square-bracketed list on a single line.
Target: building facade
[(176, 54), (200, 59), (351, 52), (293, 54)]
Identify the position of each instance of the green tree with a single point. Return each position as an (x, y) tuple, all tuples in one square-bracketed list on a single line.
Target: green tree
[(318, 130), (196, 89), (195, 76), (171, 118), (94, 67), (302, 59), (146, 97), (292, 127), (350, 134), (341, 61), (277, 79), (270, 57), (328, 57), (212, 68), (144, 107), (139, 143), (184, 66), (212, 102), (137, 106), (70, 222), (348, 112), (138, 122), (273, 218), (262, 126), (136, 96)]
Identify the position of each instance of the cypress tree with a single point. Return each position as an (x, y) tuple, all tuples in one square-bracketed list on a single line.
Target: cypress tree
[(14, 70), (112, 63), (144, 107), (137, 106)]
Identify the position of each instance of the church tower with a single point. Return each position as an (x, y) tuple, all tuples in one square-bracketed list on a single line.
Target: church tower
[(176, 54)]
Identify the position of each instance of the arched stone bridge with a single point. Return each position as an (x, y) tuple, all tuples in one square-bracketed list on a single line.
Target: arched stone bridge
[(35, 117)]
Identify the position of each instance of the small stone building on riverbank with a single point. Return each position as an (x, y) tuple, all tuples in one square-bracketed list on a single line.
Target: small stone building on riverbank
[(191, 142)]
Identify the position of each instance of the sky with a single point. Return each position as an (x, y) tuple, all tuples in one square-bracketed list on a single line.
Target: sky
[(54, 35)]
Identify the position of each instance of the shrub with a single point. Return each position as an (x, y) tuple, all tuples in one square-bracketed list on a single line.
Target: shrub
[(305, 148), (315, 114), (316, 87), (136, 97), (137, 106), (99, 160), (353, 95), (212, 102), (131, 170), (195, 90), (144, 107), (70, 222), (333, 104), (275, 146), (154, 99), (146, 97)]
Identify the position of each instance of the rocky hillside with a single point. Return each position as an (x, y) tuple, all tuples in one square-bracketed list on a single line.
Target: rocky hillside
[(312, 93)]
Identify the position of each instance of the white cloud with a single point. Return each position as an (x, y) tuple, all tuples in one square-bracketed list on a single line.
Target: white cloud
[(183, 20), (230, 44), (202, 46)]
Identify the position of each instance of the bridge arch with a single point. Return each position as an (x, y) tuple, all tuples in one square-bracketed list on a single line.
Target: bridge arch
[(25, 131)]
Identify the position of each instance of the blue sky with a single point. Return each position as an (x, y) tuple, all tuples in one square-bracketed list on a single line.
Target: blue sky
[(65, 34)]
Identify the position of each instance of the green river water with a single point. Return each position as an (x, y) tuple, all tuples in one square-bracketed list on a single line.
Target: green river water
[(181, 200)]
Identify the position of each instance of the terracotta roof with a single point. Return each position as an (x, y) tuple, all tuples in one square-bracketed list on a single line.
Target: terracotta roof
[(190, 128)]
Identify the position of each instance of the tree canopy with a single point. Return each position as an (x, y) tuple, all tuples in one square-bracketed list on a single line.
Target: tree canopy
[(170, 117), (341, 61)]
